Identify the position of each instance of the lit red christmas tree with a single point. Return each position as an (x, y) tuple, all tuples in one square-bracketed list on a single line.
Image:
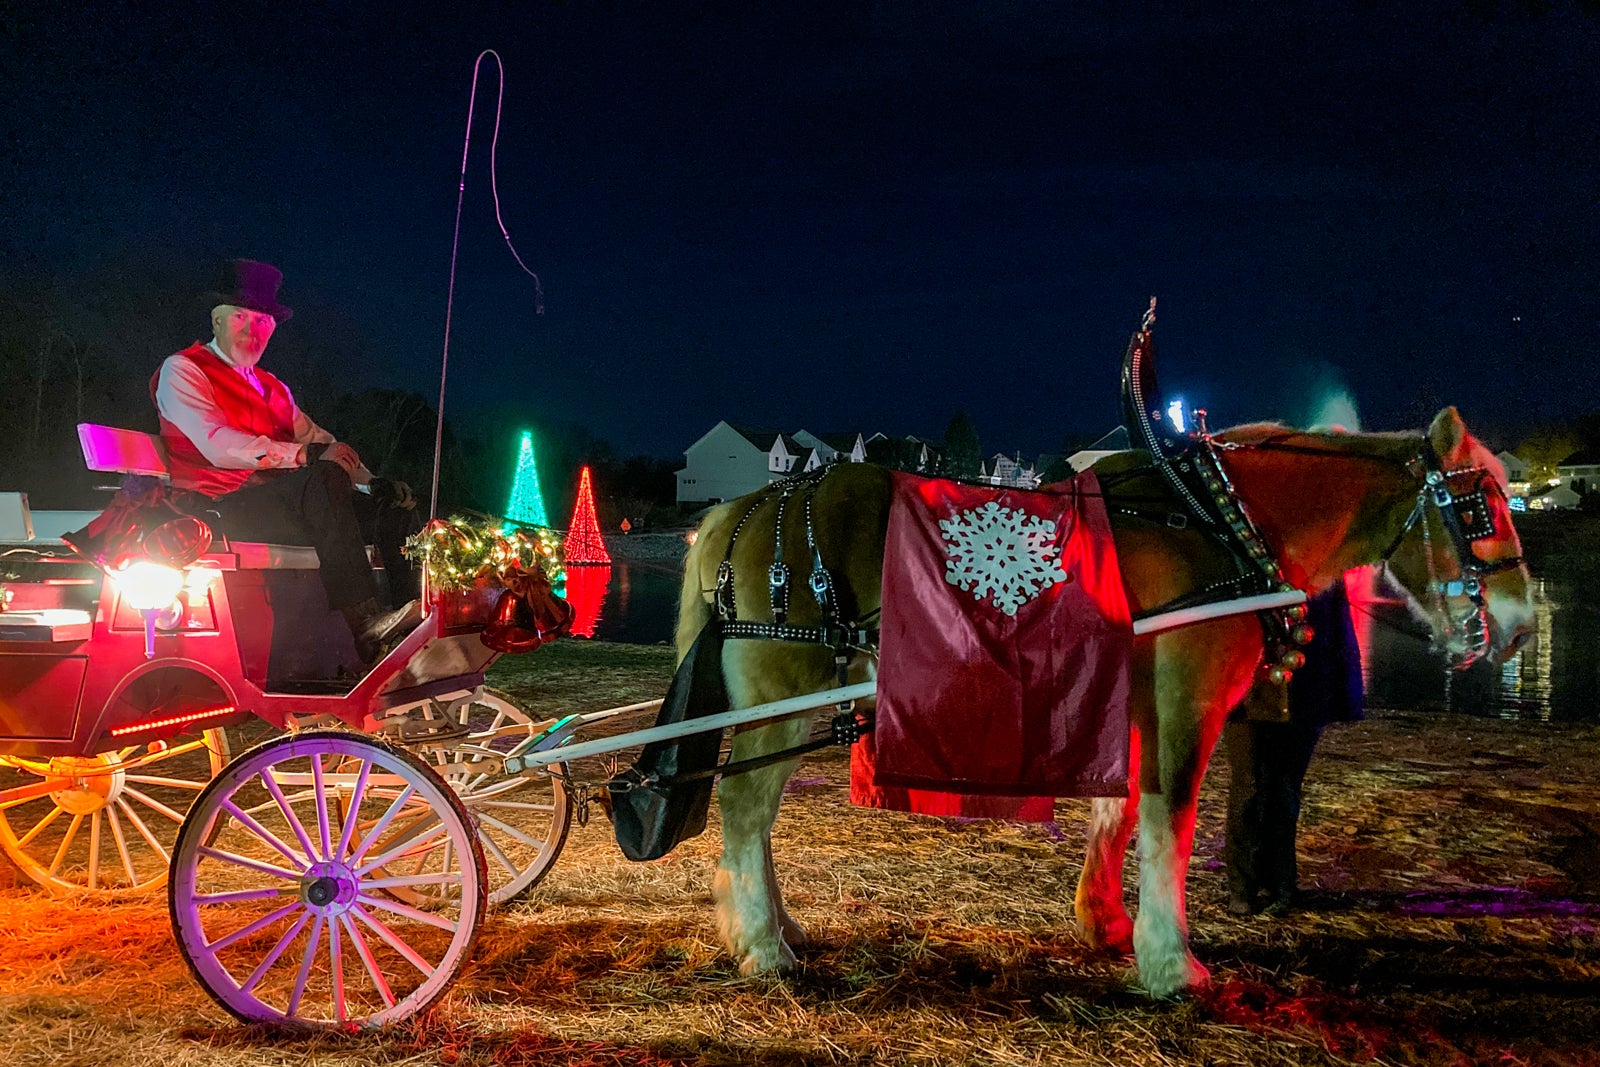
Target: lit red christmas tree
[(584, 545)]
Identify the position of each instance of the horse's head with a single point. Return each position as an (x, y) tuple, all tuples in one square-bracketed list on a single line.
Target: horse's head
[(1458, 556)]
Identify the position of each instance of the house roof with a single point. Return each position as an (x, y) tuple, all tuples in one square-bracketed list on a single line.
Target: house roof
[(1115, 441), (757, 436), (840, 442)]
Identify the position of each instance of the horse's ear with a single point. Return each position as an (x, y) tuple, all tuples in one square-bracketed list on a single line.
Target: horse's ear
[(1449, 438)]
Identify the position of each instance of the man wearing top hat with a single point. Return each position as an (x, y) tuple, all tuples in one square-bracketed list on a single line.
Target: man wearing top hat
[(233, 433)]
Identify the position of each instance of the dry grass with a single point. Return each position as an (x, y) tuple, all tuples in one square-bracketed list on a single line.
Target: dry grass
[(1451, 857)]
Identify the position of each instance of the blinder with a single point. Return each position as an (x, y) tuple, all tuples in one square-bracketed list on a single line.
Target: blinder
[(1467, 517)]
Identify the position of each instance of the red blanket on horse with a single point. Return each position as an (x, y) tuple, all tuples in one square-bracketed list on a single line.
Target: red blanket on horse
[(1003, 670)]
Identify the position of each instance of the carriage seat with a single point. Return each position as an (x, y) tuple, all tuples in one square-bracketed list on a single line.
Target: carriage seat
[(117, 451)]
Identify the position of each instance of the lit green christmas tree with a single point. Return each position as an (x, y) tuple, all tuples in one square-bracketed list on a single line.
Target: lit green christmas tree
[(527, 503)]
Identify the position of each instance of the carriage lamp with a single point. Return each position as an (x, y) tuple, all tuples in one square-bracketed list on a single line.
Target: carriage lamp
[(152, 590)]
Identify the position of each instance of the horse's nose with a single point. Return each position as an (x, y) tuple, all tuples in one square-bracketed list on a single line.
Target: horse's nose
[(1519, 637)]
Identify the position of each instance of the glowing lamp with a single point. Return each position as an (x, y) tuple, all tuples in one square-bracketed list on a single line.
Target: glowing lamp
[(149, 586), (1175, 414)]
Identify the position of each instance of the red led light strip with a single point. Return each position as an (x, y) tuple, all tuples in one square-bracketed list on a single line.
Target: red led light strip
[(156, 724)]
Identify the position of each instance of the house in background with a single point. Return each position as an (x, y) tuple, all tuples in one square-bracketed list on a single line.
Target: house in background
[(1001, 469), (1111, 443), (1580, 472), (729, 461)]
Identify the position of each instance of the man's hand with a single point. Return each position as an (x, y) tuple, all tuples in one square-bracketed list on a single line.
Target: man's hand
[(396, 494), (343, 455)]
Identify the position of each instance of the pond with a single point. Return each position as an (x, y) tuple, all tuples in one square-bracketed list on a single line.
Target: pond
[(1556, 677)]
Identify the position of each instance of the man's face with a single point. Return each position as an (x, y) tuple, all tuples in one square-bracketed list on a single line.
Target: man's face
[(241, 333)]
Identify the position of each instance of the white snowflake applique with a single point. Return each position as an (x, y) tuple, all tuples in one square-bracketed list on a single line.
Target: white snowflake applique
[(1001, 554)]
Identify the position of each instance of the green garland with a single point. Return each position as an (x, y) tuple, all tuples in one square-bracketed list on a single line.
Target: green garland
[(457, 552)]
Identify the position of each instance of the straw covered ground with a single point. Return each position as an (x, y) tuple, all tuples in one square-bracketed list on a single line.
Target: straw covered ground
[(1455, 864)]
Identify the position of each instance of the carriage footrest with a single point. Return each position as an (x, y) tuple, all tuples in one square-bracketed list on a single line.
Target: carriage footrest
[(46, 624)]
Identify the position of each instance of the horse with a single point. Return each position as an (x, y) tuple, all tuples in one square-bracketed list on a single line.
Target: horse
[(1326, 501)]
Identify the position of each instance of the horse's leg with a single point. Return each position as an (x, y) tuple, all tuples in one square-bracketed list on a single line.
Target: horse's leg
[(1102, 911), (1194, 691), (750, 913)]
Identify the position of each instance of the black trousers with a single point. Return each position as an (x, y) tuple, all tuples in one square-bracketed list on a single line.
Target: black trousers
[(1267, 764), (316, 505)]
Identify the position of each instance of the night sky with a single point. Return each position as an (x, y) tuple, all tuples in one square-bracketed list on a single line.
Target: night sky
[(853, 216)]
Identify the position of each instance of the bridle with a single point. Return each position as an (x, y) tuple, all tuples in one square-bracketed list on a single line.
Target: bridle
[(1466, 519)]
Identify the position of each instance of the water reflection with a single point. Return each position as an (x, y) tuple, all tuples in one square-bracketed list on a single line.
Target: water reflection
[(631, 602), (1555, 677), (586, 592)]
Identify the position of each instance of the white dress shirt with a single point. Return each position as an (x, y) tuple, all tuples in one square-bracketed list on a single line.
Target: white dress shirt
[(184, 398)]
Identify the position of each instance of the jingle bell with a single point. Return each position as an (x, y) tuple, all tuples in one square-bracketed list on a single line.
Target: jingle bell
[(1293, 660), (178, 542), (514, 629), (1295, 612), (1280, 675), (1302, 634)]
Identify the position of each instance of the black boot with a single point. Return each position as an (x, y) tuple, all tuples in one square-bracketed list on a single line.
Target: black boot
[(376, 631)]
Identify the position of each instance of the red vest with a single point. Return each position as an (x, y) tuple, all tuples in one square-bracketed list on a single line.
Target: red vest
[(270, 416)]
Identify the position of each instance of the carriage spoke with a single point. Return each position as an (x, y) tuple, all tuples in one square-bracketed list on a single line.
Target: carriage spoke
[(357, 794), (66, 842), (409, 845), (289, 815), (499, 854), (393, 940), (531, 842), (322, 806), (382, 824), (305, 967), (170, 783), (277, 950), (514, 805), (39, 827), (414, 914), (256, 927), (367, 960), (413, 879), (152, 803), (122, 845), (263, 833), (336, 961), (244, 861), (144, 831), (238, 896), (94, 851)]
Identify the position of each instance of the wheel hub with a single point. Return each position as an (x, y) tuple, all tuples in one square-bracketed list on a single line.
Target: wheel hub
[(329, 888), (89, 783)]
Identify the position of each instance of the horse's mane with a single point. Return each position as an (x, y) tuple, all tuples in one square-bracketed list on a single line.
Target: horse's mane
[(1386, 444)]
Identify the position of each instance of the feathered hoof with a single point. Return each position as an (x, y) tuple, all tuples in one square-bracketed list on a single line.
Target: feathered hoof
[(767, 960), (1113, 936), (1173, 976)]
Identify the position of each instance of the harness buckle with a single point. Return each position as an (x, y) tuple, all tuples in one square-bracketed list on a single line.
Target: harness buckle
[(1177, 520)]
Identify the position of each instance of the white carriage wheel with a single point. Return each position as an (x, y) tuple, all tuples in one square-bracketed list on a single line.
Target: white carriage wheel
[(523, 820), (279, 897), (107, 829)]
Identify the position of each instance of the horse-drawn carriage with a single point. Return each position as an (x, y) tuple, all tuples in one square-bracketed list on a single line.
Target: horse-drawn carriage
[(336, 873)]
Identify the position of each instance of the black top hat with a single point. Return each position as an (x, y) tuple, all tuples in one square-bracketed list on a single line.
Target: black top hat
[(249, 284)]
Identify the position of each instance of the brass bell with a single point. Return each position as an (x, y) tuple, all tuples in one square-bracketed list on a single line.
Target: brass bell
[(514, 629)]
